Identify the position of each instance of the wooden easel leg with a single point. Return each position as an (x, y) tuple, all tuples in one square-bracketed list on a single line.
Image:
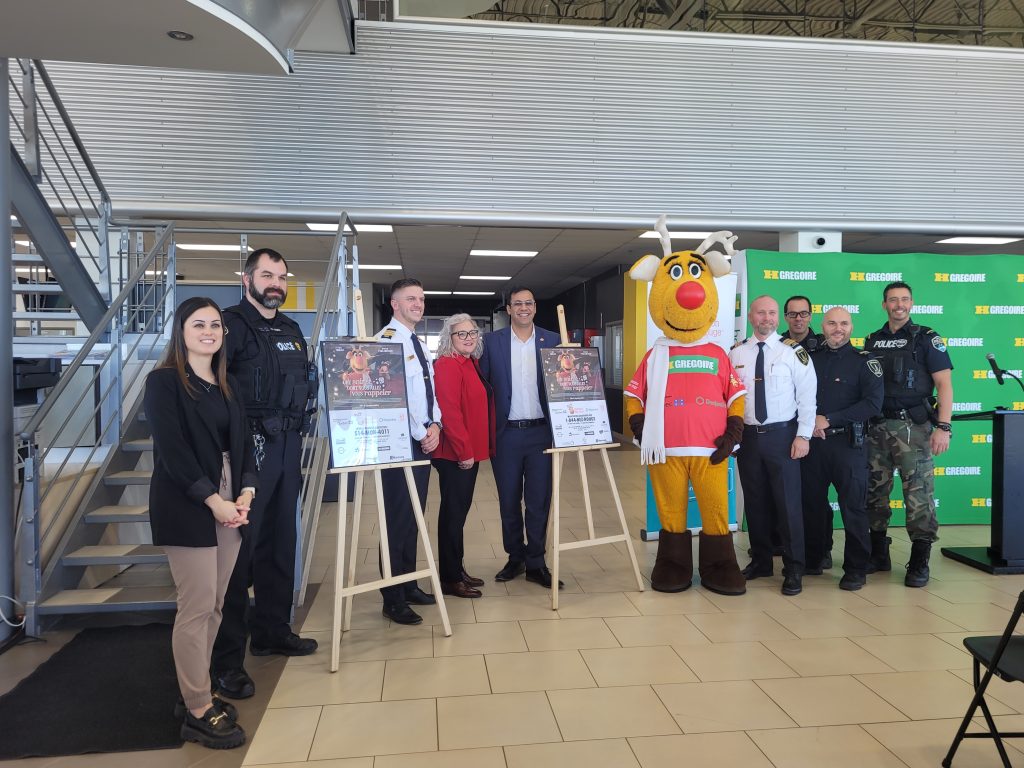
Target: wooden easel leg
[(556, 511), (339, 570), (357, 509), (586, 493), (431, 564), (622, 518), (382, 525)]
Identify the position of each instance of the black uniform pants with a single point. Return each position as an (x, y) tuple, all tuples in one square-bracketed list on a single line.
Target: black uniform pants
[(833, 461), (267, 558), (767, 472), (457, 486), (402, 533)]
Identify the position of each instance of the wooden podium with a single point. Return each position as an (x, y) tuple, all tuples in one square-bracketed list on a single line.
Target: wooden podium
[(1006, 553)]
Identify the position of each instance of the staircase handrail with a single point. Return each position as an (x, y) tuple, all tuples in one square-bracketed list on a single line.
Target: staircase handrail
[(72, 131), (98, 332)]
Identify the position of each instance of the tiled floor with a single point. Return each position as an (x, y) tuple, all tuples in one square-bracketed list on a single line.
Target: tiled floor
[(616, 677)]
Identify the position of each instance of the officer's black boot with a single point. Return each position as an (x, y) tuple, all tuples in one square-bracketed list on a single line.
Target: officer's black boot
[(879, 560), (917, 568)]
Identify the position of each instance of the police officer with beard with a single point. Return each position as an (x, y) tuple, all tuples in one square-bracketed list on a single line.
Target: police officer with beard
[(849, 394), (266, 353), (913, 428)]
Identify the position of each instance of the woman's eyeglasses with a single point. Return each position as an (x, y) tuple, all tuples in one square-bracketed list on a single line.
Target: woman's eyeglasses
[(463, 335)]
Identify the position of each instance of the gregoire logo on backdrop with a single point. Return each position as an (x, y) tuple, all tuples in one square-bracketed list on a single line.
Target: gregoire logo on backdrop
[(875, 277), (998, 309)]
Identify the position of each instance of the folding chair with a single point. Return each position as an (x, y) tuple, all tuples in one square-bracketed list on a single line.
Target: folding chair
[(1001, 655)]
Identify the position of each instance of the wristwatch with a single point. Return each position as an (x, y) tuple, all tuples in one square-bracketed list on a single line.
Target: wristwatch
[(945, 426)]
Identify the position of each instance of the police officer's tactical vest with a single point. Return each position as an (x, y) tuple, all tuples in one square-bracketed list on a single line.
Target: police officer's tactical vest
[(907, 381), (278, 381)]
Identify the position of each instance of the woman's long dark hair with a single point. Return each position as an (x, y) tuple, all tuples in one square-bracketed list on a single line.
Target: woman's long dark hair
[(176, 356)]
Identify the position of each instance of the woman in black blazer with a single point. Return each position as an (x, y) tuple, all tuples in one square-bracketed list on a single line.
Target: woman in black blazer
[(203, 482)]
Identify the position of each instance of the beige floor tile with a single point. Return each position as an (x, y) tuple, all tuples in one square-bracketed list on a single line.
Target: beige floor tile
[(914, 653), (825, 656), (491, 757), (665, 629), (1010, 694), (924, 744), (533, 606), (903, 620), (754, 600), (983, 618), (885, 592), (284, 736), (701, 750), (817, 596), (598, 713), (964, 592), (353, 730), (432, 678), (721, 706), (567, 633), (349, 762), (928, 695), (740, 627), (384, 643), (841, 700), (733, 661), (304, 684), (642, 665), (837, 747), (621, 579), (460, 611), (651, 603), (606, 753), (822, 622), (595, 606), (538, 671), (470, 722), (474, 639)]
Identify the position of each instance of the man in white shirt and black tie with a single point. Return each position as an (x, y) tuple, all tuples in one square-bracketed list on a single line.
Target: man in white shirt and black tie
[(407, 303), (778, 423)]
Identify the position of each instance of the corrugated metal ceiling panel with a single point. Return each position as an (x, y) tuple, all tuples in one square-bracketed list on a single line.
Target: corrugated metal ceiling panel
[(478, 118)]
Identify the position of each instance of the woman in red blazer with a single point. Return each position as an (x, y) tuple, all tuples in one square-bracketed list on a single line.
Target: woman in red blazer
[(467, 438)]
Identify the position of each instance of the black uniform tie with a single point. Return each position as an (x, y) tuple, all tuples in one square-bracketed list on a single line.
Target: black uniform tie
[(760, 404), (425, 367)]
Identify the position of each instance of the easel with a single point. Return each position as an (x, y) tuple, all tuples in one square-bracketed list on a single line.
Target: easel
[(558, 454), (341, 592)]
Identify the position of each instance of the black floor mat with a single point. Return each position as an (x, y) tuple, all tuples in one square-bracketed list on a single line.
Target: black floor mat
[(108, 690)]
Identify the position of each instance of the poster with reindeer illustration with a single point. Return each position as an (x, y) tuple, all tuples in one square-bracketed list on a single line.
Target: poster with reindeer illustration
[(367, 408), (575, 392)]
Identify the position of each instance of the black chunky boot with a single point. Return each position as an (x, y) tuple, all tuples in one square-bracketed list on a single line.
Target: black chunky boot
[(879, 560), (917, 568)]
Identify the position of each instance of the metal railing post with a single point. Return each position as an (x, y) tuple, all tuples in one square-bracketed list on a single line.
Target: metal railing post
[(31, 121), (29, 565), (6, 360)]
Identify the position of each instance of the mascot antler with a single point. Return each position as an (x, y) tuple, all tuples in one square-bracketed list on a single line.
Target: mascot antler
[(718, 263)]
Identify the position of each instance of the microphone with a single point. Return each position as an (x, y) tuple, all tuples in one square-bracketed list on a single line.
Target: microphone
[(995, 368)]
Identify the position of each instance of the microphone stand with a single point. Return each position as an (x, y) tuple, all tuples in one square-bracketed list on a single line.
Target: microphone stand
[(1015, 378)]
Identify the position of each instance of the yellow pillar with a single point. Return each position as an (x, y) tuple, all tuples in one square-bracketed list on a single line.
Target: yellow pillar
[(634, 331)]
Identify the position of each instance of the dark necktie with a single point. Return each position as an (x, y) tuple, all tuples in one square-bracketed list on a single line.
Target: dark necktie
[(425, 367), (760, 404)]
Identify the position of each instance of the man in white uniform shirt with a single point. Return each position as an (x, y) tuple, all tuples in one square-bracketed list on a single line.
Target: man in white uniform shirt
[(778, 423), (407, 304), (522, 471)]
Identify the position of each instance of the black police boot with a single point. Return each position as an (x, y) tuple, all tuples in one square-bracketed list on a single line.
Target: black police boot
[(917, 568), (879, 560)]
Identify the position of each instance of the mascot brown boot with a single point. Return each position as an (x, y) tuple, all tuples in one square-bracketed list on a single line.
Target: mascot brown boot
[(673, 568), (719, 570)]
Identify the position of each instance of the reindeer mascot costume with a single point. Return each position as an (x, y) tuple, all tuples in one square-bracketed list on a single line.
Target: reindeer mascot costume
[(685, 407)]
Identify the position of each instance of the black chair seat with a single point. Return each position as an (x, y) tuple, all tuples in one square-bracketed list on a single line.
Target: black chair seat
[(1010, 666)]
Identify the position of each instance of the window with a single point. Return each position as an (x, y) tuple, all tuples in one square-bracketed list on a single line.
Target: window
[(613, 355)]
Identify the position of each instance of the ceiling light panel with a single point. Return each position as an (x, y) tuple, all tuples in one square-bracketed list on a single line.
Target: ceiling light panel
[(508, 254), (360, 228), (485, 277), (208, 247), (651, 234), (979, 240)]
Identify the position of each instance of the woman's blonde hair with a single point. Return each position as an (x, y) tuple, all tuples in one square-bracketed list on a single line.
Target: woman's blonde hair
[(444, 343)]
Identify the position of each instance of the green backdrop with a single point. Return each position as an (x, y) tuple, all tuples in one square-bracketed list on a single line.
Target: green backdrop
[(975, 302)]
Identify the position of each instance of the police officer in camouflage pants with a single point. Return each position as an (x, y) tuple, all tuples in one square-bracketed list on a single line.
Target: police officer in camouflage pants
[(911, 430)]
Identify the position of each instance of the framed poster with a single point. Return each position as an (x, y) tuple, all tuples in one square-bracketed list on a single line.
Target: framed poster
[(367, 405), (579, 413)]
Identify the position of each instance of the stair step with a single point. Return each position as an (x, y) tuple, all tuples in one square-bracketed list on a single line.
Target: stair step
[(119, 514), (45, 315), (109, 600), (137, 446), (129, 477), (37, 288), (26, 258), (115, 554)]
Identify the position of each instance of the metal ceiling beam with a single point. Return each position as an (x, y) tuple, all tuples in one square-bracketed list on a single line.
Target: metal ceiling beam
[(877, 9)]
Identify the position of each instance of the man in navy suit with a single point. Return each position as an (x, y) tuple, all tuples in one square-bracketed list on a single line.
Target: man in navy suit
[(522, 471)]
